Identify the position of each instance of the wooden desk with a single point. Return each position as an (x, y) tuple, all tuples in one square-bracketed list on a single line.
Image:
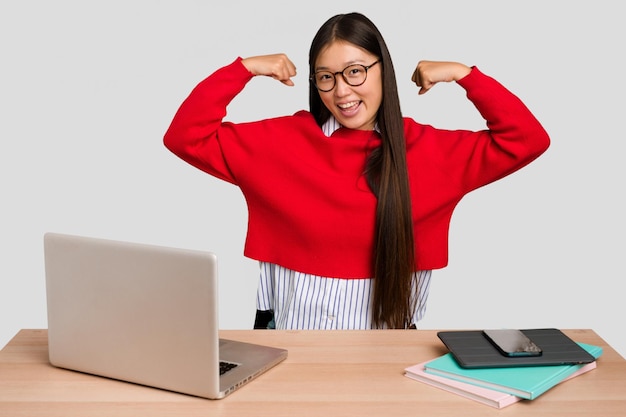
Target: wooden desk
[(328, 373)]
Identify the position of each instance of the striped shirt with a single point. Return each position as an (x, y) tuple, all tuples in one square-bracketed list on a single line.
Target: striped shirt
[(305, 301)]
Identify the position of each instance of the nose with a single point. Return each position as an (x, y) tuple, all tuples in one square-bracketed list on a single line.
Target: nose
[(341, 86)]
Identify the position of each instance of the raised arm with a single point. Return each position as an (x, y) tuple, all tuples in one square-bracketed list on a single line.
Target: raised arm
[(193, 134), (513, 138)]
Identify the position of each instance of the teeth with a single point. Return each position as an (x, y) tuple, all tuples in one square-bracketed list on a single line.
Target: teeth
[(348, 105)]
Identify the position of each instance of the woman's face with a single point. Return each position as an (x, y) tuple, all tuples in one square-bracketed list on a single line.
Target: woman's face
[(353, 107)]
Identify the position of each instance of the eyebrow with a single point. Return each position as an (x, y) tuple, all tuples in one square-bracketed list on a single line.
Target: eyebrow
[(346, 64)]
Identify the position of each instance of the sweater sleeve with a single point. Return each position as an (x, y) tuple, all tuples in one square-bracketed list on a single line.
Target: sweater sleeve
[(513, 137), (193, 134)]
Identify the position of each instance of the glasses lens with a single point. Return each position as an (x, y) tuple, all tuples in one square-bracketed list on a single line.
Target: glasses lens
[(324, 80), (355, 75)]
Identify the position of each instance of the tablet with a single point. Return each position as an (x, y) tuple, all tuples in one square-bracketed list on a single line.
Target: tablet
[(472, 349)]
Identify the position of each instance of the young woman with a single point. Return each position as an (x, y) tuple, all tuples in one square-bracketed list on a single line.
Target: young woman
[(349, 203)]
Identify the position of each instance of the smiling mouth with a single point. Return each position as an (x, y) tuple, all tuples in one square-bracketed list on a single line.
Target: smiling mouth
[(349, 107)]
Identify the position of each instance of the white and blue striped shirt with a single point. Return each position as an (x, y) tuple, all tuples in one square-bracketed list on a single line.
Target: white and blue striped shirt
[(305, 301)]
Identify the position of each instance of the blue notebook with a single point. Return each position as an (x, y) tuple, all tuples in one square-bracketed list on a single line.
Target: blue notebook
[(524, 382)]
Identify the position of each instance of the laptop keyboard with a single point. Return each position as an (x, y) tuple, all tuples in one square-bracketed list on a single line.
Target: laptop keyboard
[(226, 366)]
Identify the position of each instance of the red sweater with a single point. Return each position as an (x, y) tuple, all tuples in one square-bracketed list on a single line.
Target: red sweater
[(309, 206)]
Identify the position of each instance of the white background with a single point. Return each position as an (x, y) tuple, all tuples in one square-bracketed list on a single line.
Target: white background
[(87, 90)]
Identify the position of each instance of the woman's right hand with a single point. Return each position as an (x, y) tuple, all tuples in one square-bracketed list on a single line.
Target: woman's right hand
[(277, 66)]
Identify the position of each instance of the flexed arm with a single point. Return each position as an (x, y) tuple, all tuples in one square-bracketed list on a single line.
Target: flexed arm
[(513, 139), (196, 130)]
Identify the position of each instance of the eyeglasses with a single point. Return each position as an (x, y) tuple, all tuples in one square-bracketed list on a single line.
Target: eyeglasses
[(354, 75)]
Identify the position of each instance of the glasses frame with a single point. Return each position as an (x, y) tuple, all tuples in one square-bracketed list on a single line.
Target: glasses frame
[(334, 74)]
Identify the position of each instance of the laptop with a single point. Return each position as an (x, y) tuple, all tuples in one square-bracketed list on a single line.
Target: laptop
[(144, 314)]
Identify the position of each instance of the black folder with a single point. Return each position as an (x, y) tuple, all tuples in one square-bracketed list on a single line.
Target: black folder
[(472, 349)]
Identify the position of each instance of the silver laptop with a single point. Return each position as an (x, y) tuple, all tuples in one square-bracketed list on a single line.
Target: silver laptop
[(143, 314)]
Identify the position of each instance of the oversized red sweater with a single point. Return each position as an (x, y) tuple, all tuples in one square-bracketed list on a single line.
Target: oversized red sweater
[(309, 206)]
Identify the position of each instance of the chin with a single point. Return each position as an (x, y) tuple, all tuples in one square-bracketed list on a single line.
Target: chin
[(352, 124)]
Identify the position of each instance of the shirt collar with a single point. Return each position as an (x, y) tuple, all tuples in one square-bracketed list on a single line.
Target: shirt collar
[(331, 125)]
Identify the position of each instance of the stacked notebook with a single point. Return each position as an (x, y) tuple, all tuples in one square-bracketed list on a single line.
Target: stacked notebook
[(464, 372)]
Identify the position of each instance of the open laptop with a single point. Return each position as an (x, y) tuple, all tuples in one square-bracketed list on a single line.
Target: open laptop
[(143, 314)]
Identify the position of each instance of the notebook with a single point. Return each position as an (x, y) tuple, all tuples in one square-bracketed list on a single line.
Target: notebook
[(472, 349), (490, 397), (528, 382), (143, 314), (477, 393)]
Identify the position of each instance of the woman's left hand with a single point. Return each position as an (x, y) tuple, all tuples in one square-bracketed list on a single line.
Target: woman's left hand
[(429, 73)]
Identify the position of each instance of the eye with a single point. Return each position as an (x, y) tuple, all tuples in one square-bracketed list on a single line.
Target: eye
[(354, 71), (323, 77)]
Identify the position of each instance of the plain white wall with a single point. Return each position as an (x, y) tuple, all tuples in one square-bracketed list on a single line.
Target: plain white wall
[(87, 90)]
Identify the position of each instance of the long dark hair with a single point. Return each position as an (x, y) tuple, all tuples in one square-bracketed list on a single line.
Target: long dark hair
[(386, 170)]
